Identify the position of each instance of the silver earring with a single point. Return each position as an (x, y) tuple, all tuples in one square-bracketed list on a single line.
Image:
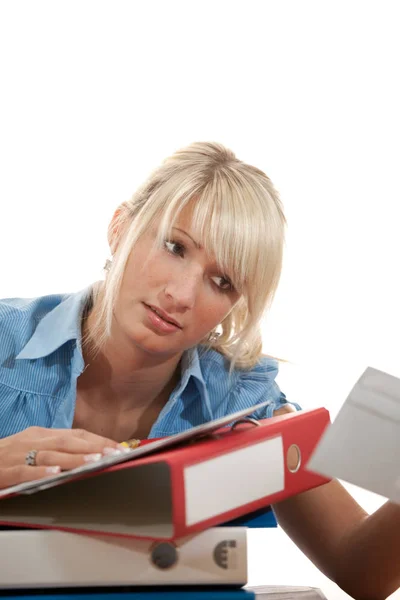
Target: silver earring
[(213, 336), (107, 265)]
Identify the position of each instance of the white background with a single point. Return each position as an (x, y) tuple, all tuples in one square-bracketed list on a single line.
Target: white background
[(95, 94)]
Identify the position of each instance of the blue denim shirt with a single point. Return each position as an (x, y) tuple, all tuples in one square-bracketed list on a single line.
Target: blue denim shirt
[(41, 359)]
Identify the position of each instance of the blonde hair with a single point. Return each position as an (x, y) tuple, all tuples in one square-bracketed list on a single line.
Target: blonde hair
[(238, 217)]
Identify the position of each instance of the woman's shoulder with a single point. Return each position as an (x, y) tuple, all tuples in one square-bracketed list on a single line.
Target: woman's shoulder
[(32, 384), (19, 318), (12, 310), (240, 388), (214, 363)]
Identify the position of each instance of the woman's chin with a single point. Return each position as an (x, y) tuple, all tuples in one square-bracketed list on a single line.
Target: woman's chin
[(156, 345)]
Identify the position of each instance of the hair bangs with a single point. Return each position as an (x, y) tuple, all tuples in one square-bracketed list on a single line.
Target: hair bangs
[(229, 228)]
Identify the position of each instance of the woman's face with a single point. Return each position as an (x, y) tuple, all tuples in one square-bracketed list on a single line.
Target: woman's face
[(171, 298)]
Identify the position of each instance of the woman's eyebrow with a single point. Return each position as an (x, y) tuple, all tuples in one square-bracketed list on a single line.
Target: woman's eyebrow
[(189, 236)]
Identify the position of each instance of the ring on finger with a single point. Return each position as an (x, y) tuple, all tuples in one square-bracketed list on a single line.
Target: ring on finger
[(30, 458)]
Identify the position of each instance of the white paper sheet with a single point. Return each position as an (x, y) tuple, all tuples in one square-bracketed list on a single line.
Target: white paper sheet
[(362, 445)]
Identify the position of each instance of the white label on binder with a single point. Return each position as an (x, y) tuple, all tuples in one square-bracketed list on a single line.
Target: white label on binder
[(226, 482)]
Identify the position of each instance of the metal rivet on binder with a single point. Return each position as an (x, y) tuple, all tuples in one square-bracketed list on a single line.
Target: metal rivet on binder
[(164, 555), (293, 458)]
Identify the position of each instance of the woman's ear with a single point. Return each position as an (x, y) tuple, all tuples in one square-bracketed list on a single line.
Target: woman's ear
[(115, 228)]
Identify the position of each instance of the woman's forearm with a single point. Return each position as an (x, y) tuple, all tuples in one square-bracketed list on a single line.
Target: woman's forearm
[(370, 568)]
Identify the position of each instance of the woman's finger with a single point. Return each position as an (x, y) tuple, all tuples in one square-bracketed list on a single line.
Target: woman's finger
[(64, 460), (66, 440), (41, 436), (66, 451), (93, 438), (19, 474)]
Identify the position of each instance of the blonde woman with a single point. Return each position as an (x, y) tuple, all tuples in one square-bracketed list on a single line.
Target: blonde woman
[(170, 339)]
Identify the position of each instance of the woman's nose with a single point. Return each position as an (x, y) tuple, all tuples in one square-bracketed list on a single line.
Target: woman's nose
[(183, 290)]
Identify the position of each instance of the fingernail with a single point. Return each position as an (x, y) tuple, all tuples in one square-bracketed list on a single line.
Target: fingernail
[(92, 457), (111, 451), (53, 470)]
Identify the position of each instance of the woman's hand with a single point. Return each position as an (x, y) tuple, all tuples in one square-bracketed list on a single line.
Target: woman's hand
[(56, 450)]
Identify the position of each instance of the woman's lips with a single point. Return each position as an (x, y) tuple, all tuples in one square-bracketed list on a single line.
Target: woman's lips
[(161, 322)]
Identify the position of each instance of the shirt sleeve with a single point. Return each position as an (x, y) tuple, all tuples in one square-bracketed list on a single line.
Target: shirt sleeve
[(259, 384)]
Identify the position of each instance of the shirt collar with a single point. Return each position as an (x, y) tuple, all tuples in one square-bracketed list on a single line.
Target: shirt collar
[(191, 367), (60, 325)]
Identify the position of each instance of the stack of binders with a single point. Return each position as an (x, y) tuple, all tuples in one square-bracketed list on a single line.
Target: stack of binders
[(168, 520)]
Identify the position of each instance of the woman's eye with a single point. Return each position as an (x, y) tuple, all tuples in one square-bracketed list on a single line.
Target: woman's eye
[(223, 284), (175, 248)]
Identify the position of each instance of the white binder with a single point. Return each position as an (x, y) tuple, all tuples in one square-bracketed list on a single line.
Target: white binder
[(55, 559)]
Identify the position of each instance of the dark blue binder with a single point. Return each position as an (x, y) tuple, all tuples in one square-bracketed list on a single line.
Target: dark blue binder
[(263, 517), (159, 593)]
